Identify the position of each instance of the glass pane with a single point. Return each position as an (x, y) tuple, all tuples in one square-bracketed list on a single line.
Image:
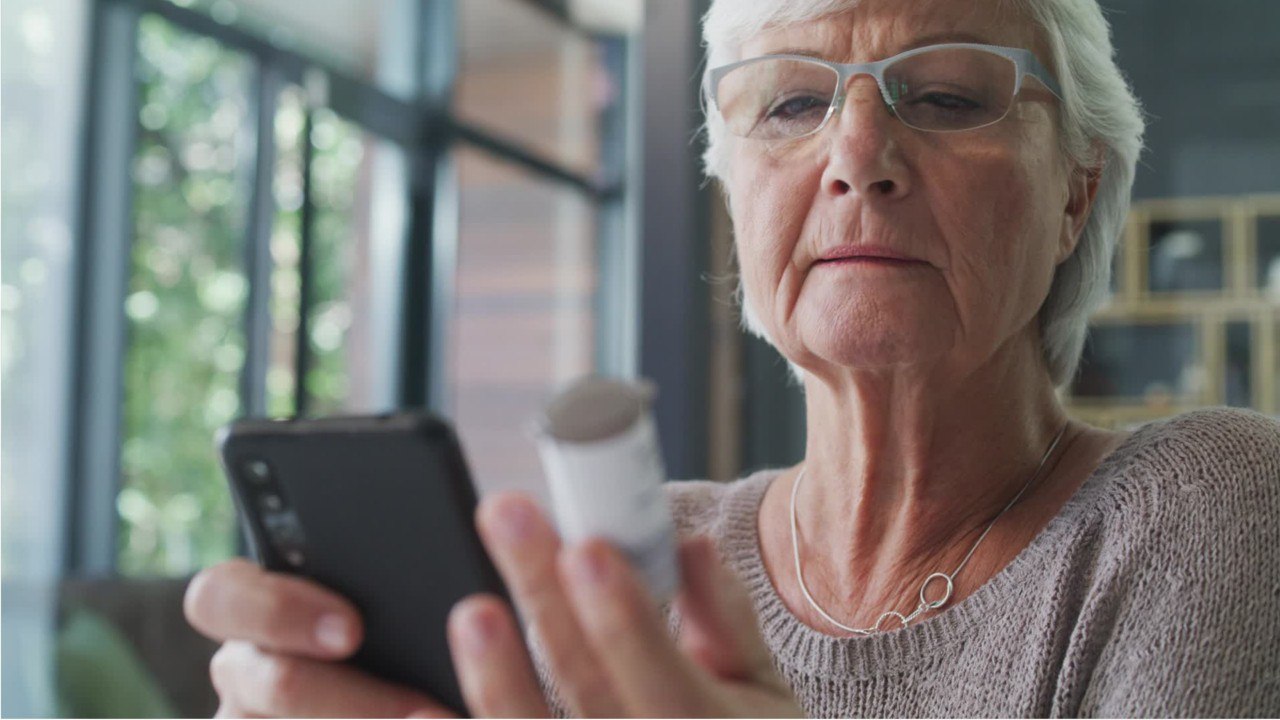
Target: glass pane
[(340, 152), (367, 39), (1186, 255), (1153, 363), (525, 312), (1239, 370), (286, 253), (352, 295), (1268, 270), (186, 299), (514, 55)]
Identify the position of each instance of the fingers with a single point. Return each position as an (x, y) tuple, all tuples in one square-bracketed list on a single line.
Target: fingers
[(524, 547), (253, 682), (493, 665), (719, 627), (622, 624), (237, 600)]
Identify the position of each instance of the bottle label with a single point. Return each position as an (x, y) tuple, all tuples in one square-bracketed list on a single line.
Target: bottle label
[(612, 489)]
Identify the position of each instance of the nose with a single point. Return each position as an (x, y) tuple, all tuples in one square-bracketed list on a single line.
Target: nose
[(865, 156)]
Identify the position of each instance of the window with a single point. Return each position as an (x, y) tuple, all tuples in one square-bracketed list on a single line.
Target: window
[(282, 212), (186, 299), (515, 55), (525, 313)]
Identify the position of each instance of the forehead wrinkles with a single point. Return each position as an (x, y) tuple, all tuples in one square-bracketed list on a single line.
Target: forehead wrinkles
[(874, 29)]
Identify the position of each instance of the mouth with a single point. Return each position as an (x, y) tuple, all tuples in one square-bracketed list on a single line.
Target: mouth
[(869, 260), (867, 255)]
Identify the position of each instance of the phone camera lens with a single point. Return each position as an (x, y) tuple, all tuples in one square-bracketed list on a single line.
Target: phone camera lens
[(258, 471), (285, 532), (272, 503)]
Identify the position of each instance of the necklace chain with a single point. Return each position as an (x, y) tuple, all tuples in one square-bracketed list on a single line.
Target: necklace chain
[(925, 604)]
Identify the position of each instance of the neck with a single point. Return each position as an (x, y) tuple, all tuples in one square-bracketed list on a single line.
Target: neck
[(904, 471)]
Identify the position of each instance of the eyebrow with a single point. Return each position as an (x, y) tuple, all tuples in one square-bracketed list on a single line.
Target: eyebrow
[(932, 39)]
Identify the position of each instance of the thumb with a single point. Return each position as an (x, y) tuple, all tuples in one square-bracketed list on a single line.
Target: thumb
[(719, 628)]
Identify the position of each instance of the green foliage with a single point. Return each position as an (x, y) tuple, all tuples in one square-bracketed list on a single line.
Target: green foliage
[(186, 299), (188, 288)]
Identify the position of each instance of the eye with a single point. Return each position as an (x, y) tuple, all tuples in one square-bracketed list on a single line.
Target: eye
[(947, 101), (796, 106)]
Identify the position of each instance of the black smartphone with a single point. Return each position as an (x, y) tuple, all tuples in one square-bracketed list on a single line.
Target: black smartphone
[(380, 510)]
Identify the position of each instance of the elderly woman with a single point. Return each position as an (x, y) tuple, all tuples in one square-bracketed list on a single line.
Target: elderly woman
[(926, 197)]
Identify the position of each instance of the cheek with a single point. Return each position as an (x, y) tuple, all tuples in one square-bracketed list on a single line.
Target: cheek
[(991, 208), (769, 203)]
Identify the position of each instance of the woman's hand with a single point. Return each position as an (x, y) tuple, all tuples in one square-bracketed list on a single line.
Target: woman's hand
[(283, 638), (601, 634)]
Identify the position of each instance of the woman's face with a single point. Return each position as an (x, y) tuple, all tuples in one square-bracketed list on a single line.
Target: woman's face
[(987, 213)]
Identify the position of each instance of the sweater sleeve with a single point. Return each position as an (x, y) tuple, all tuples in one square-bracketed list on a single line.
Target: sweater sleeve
[(1199, 631)]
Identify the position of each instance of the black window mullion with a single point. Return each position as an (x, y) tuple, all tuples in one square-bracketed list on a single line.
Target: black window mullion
[(429, 247), (306, 266), (512, 152)]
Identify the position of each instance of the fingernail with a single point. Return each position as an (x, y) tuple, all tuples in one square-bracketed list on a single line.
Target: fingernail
[(515, 520), (477, 632), (590, 566), (333, 632)]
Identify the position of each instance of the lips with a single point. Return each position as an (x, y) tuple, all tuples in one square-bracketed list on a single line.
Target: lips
[(854, 253)]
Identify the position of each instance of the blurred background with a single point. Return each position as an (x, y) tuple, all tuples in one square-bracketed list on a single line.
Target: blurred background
[(265, 207)]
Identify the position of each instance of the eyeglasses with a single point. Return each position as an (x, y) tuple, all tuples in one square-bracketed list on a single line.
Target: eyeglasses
[(939, 88)]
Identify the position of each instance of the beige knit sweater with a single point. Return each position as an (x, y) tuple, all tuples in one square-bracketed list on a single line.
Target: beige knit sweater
[(1154, 592)]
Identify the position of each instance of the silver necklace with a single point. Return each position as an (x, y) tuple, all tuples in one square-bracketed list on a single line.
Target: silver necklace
[(925, 603)]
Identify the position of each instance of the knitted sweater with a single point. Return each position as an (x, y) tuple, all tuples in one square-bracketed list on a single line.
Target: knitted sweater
[(1155, 591)]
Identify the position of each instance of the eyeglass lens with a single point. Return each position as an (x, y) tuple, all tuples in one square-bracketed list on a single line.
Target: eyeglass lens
[(942, 90)]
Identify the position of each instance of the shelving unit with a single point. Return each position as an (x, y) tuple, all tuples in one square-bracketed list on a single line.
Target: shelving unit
[(1194, 319)]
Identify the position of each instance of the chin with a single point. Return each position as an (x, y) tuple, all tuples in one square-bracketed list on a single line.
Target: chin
[(876, 341)]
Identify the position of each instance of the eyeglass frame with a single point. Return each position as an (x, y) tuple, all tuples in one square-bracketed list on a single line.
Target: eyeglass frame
[(1025, 63)]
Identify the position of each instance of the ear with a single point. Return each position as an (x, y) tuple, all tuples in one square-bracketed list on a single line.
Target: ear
[(1082, 187)]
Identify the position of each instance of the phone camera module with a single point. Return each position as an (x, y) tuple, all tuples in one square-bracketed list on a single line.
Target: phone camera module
[(285, 533)]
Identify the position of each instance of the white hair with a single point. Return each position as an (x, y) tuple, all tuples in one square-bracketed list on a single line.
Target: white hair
[(1101, 125)]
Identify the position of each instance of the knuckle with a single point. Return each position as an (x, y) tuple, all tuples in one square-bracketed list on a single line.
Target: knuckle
[(541, 590), (222, 668), (282, 679), (617, 620)]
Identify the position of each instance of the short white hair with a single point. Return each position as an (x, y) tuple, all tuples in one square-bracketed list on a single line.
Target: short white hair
[(1101, 124)]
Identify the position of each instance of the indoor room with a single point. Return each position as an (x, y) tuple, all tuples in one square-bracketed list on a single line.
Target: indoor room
[(422, 311)]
